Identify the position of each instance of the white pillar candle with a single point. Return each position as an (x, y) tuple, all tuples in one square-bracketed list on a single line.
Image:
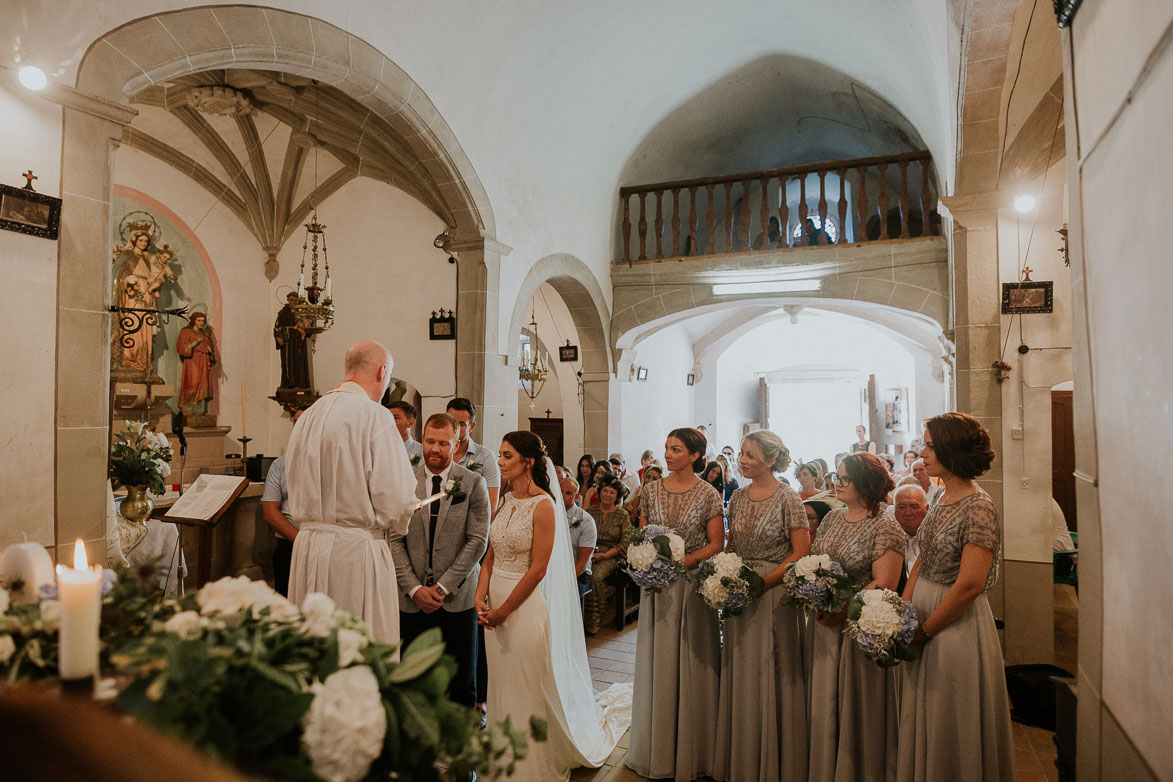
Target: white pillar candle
[(79, 590), (30, 566)]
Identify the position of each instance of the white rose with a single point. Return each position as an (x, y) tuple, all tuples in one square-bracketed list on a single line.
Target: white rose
[(879, 618), (185, 624), (345, 725), (676, 543), (7, 648), (50, 612), (226, 596), (350, 645), (4, 600), (319, 611), (641, 555), (808, 565)]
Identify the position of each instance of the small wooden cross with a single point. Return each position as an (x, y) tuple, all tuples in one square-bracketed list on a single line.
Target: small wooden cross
[(1026, 271), (548, 412), (29, 177)]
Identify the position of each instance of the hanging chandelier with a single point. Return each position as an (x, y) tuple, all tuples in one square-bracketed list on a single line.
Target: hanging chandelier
[(534, 369), (314, 309)]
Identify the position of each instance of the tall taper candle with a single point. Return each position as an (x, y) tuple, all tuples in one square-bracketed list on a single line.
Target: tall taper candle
[(79, 589), (243, 413)]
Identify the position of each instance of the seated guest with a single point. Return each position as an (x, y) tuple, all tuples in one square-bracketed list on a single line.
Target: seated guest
[(932, 488), (808, 476), (910, 505), (652, 473), (590, 497), (582, 533), (619, 467), (889, 461), (821, 478), (817, 507), (728, 476), (612, 523), (715, 477), (908, 457), (646, 458)]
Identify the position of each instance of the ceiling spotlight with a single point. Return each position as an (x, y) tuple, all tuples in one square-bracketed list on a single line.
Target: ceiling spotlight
[(1024, 203), (33, 77)]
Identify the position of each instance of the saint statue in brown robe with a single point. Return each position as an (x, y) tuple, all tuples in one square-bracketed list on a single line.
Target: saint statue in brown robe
[(197, 350)]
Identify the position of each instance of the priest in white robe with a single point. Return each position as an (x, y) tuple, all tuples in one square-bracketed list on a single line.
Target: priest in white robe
[(349, 483)]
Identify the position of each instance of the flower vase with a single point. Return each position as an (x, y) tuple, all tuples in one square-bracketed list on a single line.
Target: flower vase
[(131, 521)]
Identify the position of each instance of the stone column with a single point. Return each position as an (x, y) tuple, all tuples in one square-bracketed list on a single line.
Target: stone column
[(482, 372), (595, 404), (91, 131)]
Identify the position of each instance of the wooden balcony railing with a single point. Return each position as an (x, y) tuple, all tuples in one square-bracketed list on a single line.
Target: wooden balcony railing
[(846, 201)]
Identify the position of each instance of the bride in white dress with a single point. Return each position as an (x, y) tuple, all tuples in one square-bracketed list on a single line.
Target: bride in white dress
[(527, 599)]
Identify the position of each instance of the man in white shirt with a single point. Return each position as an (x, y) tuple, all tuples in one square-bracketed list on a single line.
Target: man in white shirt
[(405, 417), (349, 483), (932, 490), (583, 533), (910, 506), (630, 480)]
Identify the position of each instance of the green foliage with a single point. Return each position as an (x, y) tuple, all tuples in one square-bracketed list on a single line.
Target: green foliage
[(136, 457)]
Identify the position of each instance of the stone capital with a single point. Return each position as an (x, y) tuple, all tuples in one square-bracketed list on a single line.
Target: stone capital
[(483, 244), (73, 98), (976, 209)]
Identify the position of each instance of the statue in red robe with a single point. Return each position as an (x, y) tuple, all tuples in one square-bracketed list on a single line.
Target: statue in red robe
[(197, 350)]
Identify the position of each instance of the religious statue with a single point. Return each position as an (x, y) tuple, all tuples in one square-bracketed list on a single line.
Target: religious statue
[(197, 351), (138, 277), (291, 341)]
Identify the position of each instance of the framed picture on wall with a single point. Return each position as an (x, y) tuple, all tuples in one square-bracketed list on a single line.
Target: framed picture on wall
[(896, 409), (28, 212), (1028, 296)]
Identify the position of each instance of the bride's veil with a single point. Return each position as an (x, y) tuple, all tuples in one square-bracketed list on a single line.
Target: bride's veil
[(594, 727)]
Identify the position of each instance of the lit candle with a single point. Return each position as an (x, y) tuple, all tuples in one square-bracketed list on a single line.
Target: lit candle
[(243, 413), (300, 285), (328, 296), (79, 590)]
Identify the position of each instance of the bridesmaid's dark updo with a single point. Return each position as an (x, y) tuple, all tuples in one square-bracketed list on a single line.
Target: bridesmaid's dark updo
[(529, 446), (870, 478), (695, 442), (960, 444)]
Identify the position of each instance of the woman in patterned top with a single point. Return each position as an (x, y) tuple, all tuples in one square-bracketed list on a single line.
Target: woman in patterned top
[(853, 701), (955, 713), (678, 647), (612, 523), (761, 714)]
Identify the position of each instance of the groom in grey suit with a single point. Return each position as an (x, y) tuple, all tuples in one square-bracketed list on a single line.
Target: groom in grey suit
[(438, 561)]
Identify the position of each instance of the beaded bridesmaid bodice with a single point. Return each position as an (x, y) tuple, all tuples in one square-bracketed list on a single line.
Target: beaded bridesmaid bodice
[(760, 529), (512, 533)]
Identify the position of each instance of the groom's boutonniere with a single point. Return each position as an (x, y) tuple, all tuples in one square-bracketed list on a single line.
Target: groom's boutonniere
[(415, 459), (452, 489)]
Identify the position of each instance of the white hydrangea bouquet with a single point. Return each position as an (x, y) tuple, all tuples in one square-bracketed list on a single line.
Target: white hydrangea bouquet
[(818, 583), (727, 583), (655, 556), (883, 624)]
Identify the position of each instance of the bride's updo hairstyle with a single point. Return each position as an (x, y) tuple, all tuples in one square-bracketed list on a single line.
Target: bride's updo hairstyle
[(529, 446), (772, 449), (960, 444), (695, 442)]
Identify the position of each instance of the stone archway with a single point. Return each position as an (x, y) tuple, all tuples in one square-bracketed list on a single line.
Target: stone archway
[(136, 55), (580, 291)]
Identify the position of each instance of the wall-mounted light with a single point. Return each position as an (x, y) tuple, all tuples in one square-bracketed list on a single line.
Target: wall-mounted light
[(1025, 203), (33, 78), (778, 286)]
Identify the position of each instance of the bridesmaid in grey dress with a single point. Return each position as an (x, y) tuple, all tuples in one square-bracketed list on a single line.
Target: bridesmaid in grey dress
[(678, 647), (761, 715), (955, 712), (853, 700)]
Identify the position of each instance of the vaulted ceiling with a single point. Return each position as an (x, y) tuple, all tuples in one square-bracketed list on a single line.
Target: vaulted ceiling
[(271, 146)]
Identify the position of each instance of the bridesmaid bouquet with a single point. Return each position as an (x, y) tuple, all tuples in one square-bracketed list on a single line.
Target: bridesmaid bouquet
[(816, 582), (655, 556), (883, 624), (727, 583)]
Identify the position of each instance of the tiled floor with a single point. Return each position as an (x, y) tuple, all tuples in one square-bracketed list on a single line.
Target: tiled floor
[(612, 659)]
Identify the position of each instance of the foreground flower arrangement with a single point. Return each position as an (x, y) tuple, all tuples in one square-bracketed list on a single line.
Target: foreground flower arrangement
[(655, 556), (817, 583), (272, 689), (728, 584), (883, 624)]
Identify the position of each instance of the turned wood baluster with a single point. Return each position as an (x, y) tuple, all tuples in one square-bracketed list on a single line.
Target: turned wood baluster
[(643, 227), (693, 222), (824, 237), (904, 199), (745, 209), (926, 202), (884, 201), (804, 237), (710, 223), (676, 221), (861, 201), (843, 206), (727, 232), (627, 228), (659, 224), (784, 214), (765, 213)]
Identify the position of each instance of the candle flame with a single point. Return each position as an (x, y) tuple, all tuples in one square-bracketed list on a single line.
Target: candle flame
[(79, 556)]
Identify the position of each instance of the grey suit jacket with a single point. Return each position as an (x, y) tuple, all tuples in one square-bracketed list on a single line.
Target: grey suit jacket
[(462, 535)]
